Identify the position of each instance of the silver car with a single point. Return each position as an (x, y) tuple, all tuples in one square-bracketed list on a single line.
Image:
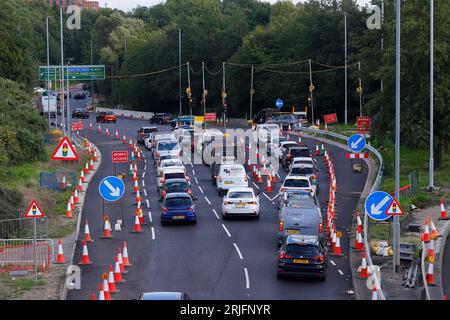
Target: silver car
[(299, 221)]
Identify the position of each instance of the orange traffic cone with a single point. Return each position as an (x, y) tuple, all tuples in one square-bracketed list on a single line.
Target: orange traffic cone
[(138, 197), (444, 215), (116, 135), (374, 293), (87, 234), (141, 218), (426, 235), (430, 273), (139, 156), (95, 156), (359, 241), (269, 184), (258, 178), (317, 150), (359, 222), (60, 259), (107, 132), (434, 233), (72, 201), (106, 287), (137, 225), (99, 130), (111, 283), (80, 185), (126, 260), (117, 274), (431, 246), (64, 182), (337, 247), (363, 273), (124, 139), (106, 229), (119, 257), (101, 295), (76, 200), (91, 164), (86, 168), (69, 209), (85, 257)]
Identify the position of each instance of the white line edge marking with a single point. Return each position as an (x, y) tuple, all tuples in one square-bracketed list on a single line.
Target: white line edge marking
[(201, 190), (340, 272), (278, 176), (207, 200), (196, 181), (145, 192), (266, 196), (247, 280), (255, 185), (226, 230), (215, 212), (148, 203), (143, 183), (153, 234), (238, 251), (332, 262), (143, 175), (150, 216), (193, 172), (145, 167), (145, 161)]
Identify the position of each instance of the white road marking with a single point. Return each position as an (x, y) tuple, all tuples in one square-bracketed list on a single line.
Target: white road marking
[(266, 196), (278, 176), (145, 161), (150, 216), (145, 192), (207, 200), (226, 230), (145, 167), (196, 181), (340, 272), (153, 234), (193, 172), (247, 280), (255, 185), (201, 190), (143, 184), (332, 262), (148, 204), (273, 202), (215, 212), (238, 251), (143, 175)]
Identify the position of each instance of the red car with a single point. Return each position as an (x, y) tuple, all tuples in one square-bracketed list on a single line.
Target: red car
[(106, 117)]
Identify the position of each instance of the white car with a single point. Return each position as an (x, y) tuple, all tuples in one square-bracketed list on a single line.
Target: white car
[(165, 147), (282, 148), (304, 160), (175, 162), (299, 183), (231, 176), (240, 202), (171, 173), (304, 170), (160, 137)]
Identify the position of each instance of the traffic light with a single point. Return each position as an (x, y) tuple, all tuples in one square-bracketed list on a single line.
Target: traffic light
[(65, 149), (34, 210)]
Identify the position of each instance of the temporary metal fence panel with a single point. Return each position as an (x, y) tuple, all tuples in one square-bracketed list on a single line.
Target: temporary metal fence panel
[(22, 228), (54, 180), (19, 254)]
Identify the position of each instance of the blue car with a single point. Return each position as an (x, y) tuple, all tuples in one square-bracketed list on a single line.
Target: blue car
[(183, 120), (178, 207)]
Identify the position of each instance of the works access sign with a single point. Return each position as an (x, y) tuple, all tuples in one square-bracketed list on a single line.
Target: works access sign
[(65, 151)]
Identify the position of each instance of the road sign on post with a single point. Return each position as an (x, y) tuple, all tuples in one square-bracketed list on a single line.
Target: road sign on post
[(34, 211), (356, 142), (394, 209), (65, 151), (111, 188), (364, 124), (279, 103), (77, 126), (330, 118), (377, 204), (82, 73), (119, 156)]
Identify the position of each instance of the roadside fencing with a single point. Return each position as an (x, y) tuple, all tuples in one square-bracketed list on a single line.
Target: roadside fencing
[(22, 228), (18, 254), (129, 113), (375, 187)]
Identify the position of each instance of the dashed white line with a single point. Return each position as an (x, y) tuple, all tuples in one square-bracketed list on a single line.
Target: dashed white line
[(201, 190), (278, 176), (145, 161), (143, 175), (226, 230), (207, 200), (247, 280), (153, 234), (332, 262), (150, 216), (266, 196), (193, 172), (215, 212), (145, 167), (147, 203), (196, 181), (143, 184), (145, 192), (255, 185), (340, 272), (238, 251)]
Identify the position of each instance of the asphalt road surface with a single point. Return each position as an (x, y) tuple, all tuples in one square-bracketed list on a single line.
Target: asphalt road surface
[(214, 259)]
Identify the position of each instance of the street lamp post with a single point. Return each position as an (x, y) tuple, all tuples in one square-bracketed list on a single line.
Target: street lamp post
[(63, 116), (431, 183), (179, 63), (346, 72), (48, 71)]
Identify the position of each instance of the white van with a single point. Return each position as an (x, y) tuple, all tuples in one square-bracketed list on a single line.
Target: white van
[(231, 176)]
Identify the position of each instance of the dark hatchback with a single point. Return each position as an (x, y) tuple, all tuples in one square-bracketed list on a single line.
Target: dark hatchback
[(303, 256), (178, 207), (294, 152), (161, 118), (175, 186), (143, 133), (80, 114)]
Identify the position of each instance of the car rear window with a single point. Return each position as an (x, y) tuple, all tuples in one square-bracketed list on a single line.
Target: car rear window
[(299, 152), (296, 183), (240, 195), (174, 175), (298, 196), (149, 130), (302, 249), (179, 202), (164, 146), (302, 171), (177, 186)]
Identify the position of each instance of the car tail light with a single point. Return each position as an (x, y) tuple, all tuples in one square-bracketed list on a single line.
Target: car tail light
[(320, 228), (142, 134), (181, 153), (310, 190), (163, 180), (252, 202), (164, 193), (281, 226), (227, 202), (283, 189), (187, 178), (164, 209), (190, 191), (190, 208), (289, 156), (314, 177), (319, 258), (284, 256)]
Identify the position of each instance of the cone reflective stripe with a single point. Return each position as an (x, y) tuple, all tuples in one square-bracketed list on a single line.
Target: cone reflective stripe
[(426, 234), (431, 247), (254, 172), (80, 185), (134, 178), (106, 229), (86, 168), (72, 201), (430, 274), (359, 222), (117, 274), (91, 165), (139, 156), (76, 200), (85, 257), (317, 150), (90, 150), (274, 177), (359, 242), (337, 247), (69, 209), (111, 283), (124, 139), (106, 287), (333, 239), (64, 183), (95, 156), (138, 196), (99, 130), (363, 273), (119, 257), (136, 187), (82, 177), (107, 132), (60, 258), (141, 217), (374, 291), (434, 233), (116, 135), (126, 260), (259, 179), (101, 295), (87, 234), (137, 224), (444, 215)]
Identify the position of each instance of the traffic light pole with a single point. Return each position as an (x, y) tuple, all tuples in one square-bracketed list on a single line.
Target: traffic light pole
[(62, 73), (431, 182)]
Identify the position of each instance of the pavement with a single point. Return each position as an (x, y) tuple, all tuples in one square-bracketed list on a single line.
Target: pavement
[(214, 259)]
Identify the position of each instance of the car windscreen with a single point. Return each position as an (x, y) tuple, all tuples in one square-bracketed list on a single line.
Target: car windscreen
[(174, 175), (166, 146), (302, 249), (149, 130), (296, 183), (299, 152), (179, 202), (240, 195), (302, 171), (179, 186)]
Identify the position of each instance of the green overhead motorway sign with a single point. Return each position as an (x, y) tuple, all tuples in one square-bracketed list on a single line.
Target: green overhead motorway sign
[(73, 72)]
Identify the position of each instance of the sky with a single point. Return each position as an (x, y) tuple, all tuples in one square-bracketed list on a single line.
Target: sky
[(127, 5)]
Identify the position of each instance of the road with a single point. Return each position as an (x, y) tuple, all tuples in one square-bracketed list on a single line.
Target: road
[(215, 259)]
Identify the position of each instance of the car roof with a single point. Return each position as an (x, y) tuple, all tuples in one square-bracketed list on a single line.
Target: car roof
[(302, 165), (149, 127), (231, 165), (302, 239), (309, 159), (296, 177), (304, 216), (178, 195), (241, 189), (173, 170), (175, 180), (171, 160)]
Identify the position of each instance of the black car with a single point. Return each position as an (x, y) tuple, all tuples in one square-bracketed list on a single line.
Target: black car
[(80, 114), (79, 96), (161, 118), (214, 172), (265, 114), (144, 132), (294, 152), (304, 256)]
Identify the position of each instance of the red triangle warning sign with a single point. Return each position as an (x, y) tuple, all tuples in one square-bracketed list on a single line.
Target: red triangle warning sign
[(65, 151), (34, 211), (394, 209)]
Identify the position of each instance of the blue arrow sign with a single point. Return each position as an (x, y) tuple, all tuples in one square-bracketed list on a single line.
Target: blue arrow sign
[(356, 142), (111, 188), (377, 204), (279, 103)]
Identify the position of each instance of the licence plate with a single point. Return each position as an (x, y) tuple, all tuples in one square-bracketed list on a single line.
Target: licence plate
[(228, 182), (178, 217), (301, 261), (240, 205), (292, 231)]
